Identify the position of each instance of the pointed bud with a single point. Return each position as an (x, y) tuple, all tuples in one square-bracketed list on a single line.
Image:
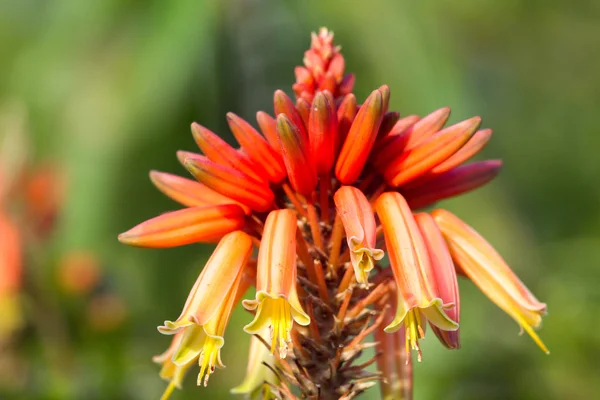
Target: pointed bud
[(488, 270), (416, 279), (208, 307), (455, 182), (218, 151), (337, 66), (427, 126), (346, 85), (360, 139), (345, 115), (327, 83), (322, 129), (432, 152), (303, 107), (296, 156), (388, 147), (441, 262), (284, 105), (190, 225), (190, 193), (268, 127), (258, 150), (358, 219), (277, 304), (231, 183), (385, 96)]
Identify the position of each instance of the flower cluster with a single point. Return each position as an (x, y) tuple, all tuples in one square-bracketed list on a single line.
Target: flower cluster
[(325, 190)]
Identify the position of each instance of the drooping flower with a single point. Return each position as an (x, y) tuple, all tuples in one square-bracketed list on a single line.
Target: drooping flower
[(277, 305), (486, 268), (358, 219), (308, 179), (207, 310), (420, 281)]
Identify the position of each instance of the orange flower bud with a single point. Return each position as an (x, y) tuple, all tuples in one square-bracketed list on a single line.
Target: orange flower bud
[(358, 219), (360, 139), (296, 156), (277, 304), (322, 130), (190, 225)]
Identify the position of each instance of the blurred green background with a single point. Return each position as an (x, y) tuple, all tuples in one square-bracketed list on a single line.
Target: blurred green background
[(110, 88)]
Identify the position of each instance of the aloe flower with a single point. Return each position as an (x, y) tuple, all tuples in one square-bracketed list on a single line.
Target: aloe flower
[(324, 188)]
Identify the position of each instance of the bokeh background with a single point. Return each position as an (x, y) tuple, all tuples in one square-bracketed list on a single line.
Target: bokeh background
[(97, 93)]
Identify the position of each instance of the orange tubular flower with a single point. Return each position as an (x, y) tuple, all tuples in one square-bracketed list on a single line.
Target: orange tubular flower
[(305, 181), (361, 138), (231, 183), (190, 225), (10, 276), (277, 304), (359, 223), (488, 270), (418, 282), (207, 310), (322, 129), (190, 193), (296, 156), (441, 263)]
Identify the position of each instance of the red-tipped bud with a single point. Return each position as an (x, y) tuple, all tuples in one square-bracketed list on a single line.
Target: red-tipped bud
[(346, 85), (190, 193), (337, 67), (322, 129), (258, 150), (217, 150), (453, 183), (360, 139), (385, 95), (231, 183), (190, 225), (427, 127), (296, 156), (425, 156), (303, 107), (345, 115), (268, 127), (284, 105)]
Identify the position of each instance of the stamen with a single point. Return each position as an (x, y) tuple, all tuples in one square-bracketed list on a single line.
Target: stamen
[(207, 360), (414, 332)]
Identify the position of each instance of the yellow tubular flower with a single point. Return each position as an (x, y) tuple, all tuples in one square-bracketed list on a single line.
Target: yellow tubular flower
[(277, 305)]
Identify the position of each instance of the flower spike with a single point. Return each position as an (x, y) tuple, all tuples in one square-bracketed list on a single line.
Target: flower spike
[(360, 139), (190, 225), (359, 223), (277, 305), (417, 281), (441, 262), (296, 156), (488, 270), (208, 308)]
